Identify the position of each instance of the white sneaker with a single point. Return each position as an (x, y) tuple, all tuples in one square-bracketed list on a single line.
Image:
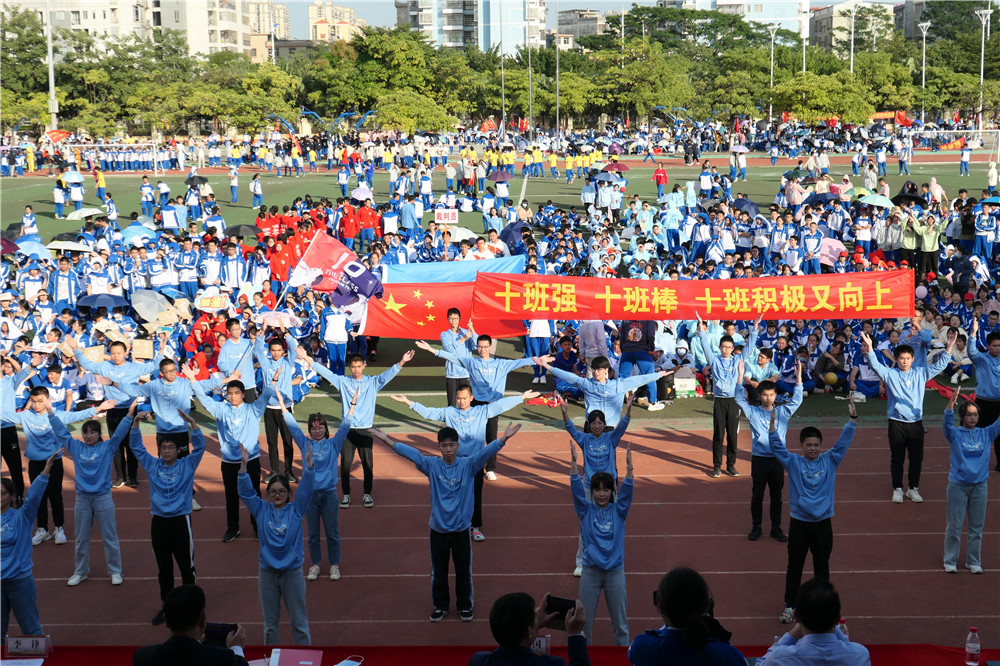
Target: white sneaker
[(578, 572), (194, 505), (368, 501), (963, 377), (116, 579), (534, 380), (859, 396), (335, 572), (345, 501), (954, 377), (897, 496), (76, 579), (41, 535), (656, 406), (914, 496), (313, 572), (59, 536), (491, 476), (950, 568)]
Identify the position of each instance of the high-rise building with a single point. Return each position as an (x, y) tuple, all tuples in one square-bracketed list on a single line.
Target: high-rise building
[(906, 16), (331, 23), (581, 23), (209, 25), (830, 24), (506, 24), (264, 13), (787, 14)]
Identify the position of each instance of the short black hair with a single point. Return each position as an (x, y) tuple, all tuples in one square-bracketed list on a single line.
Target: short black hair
[(817, 605), (596, 414), (766, 385), (454, 311), (183, 607), (236, 384), (903, 349), (599, 363), (447, 434), (512, 615), (355, 357), (810, 431)]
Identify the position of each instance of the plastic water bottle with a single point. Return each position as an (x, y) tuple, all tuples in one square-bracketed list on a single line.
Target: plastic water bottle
[(843, 628), (972, 647)]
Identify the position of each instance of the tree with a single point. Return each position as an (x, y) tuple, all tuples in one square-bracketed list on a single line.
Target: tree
[(885, 84), (950, 20), (408, 111), (815, 98), (31, 110), (649, 78), (872, 25), (22, 52)]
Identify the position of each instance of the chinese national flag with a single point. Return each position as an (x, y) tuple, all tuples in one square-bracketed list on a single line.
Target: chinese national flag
[(488, 126), (55, 136), (902, 120), (419, 311)]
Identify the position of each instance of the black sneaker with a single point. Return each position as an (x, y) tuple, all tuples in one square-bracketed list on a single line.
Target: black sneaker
[(158, 619), (292, 478), (731, 471), (465, 615), (438, 615), (230, 535), (755, 534), (716, 472), (778, 535)]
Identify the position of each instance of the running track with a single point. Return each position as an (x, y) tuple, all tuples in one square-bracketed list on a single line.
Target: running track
[(886, 560)]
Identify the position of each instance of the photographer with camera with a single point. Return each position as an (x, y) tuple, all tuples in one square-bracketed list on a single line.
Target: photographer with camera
[(192, 638), (515, 622)]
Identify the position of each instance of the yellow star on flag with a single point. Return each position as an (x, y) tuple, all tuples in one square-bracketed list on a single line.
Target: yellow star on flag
[(420, 323), (417, 293), (431, 317), (429, 304), (391, 304)]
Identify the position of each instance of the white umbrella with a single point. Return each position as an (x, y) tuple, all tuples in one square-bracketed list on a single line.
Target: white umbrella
[(147, 221), (740, 149), (68, 246), (84, 212), (459, 234), (361, 193)]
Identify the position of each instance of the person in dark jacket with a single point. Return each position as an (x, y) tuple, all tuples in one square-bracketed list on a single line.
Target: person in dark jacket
[(515, 622), (184, 611), (637, 349)]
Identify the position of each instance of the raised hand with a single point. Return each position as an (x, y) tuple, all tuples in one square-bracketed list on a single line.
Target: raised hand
[(354, 401), (510, 430), (954, 397), (528, 395), (774, 414), (277, 373), (852, 411), (423, 345), (628, 461), (106, 381), (133, 408), (189, 372), (50, 461), (381, 436), (244, 459), (106, 405), (187, 417), (407, 357), (798, 372), (302, 353), (401, 398)]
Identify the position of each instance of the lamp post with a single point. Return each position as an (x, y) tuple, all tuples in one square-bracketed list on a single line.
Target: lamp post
[(557, 74), (924, 27), (984, 17), (854, 13), (503, 79), (770, 107), (527, 45), (50, 60)]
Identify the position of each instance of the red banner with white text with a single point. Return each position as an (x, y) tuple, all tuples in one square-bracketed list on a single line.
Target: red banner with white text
[(829, 296)]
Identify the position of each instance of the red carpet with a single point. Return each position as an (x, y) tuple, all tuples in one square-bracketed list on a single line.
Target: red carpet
[(440, 655)]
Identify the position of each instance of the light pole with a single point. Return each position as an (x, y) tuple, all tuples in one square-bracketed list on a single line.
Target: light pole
[(804, 31), (854, 13), (274, 46), (527, 45), (984, 17), (503, 79), (770, 107), (557, 73), (924, 27), (50, 60)]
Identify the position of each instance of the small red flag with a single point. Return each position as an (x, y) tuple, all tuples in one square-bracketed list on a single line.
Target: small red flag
[(55, 136)]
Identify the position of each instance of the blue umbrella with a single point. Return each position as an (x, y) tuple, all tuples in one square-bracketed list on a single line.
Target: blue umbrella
[(512, 232), (991, 200), (29, 248), (816, 197), (747, 206), (72, 177), (135, 231), (34, 238), (103, 301)]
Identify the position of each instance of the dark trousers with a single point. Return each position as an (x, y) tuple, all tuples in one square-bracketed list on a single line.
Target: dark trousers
[(725, 424), (477, 493), (250, 395), (126, 464), (766, 473), (803, 538), (906, 439), (229, 473), (11, 451), (172, 540), (909, 256), (53, 492), (491, 434), (360, 441), (989, 412), (928, 263), (459, 546), (451, 387), (274, 425)]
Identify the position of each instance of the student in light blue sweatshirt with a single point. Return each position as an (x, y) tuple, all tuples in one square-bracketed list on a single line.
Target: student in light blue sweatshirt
[(451, 480), (238, 427), (92, 466), (40, 443), (967, 477), (599, 446), (14, 374), (236, 355), (811, 484), (905, 386), (277, 361), (17, 585), (325, 452), (470, 422), (602, 530), (281, 551), (171, 482), (765, 470), (987, 380), (365, 391)]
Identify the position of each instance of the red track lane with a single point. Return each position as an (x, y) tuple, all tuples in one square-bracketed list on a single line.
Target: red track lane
[(886, 560)]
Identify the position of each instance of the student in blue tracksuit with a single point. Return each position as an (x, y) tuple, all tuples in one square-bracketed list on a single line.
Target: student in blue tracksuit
[(470, 422), (92, 466), (17, 585), (599, 446), (171, 483), (905, 386), (365, 391), (765, 470), (811, 484), (14, 374), (451, 479), (272, 356), (602, 530), (987, 380), (967, 477), (238, 425), (603, 394), (325, 451), (281, 550)]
